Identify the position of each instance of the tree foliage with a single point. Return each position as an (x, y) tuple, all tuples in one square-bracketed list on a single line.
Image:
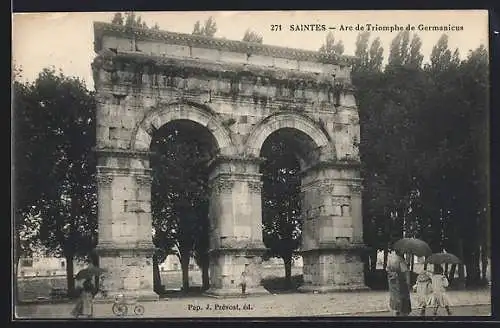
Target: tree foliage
[(55, 179), (331, 46), (180, 195), (251, 36), (405, 52), (209, 28), (424, 148), (281, 207), (131, 19)]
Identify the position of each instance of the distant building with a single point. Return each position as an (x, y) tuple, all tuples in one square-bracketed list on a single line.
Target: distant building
[(45, 267), (172, 263)]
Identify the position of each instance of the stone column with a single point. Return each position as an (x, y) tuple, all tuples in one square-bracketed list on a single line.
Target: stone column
[(125, 243), (235, 216), (331, 238)]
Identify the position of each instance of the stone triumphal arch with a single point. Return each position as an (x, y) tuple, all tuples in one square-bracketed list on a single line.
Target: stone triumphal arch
[(241, 93)]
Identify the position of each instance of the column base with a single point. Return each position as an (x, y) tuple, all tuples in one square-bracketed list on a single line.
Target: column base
[(235, 292), (332, 288)]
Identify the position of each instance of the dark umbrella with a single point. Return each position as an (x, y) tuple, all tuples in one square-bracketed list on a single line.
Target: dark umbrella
[(89, 273), (442, 258), (413, 246)]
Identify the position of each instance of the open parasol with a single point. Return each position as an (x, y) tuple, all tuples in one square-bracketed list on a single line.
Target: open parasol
[(413, 246), (89, 273), (443, 258)]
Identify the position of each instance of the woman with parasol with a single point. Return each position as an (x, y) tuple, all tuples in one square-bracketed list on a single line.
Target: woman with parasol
[(398, 281), (84, 306)]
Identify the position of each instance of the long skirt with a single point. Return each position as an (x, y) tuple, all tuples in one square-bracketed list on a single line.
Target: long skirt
[(439, 299), (83, 306), (399, 293), (424, 292)]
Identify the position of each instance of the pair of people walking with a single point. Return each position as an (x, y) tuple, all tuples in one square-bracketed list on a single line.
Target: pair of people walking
[(431, 288), (431, 291)]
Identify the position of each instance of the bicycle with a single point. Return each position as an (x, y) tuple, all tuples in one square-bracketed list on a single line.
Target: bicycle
[(121, 306)]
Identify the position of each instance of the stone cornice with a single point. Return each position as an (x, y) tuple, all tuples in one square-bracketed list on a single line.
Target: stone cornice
[(237, 159), (333, 247), (109, 152), (123, 171), (337, 164), (101, 29), (195, 67)]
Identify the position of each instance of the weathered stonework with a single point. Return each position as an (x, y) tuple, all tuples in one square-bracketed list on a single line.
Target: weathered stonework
[(241, 93)]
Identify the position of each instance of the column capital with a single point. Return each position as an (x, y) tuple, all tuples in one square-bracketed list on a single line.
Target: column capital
[(143, 179), (104, 179), (221, 185), (356, 188)]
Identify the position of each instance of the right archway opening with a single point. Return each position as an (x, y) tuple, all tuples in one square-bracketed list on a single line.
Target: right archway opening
[(287, 152)]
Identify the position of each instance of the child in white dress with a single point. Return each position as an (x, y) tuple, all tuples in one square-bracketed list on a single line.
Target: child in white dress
[(439, 298), (423, 287)]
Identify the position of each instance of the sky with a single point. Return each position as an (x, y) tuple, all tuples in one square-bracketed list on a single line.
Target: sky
[(65, 40)]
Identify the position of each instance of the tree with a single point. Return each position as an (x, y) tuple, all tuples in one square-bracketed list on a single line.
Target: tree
[(282, 224), (331, 47), (209, 28), (404, 52), (369, 58), (61, 112), (180, 196), (361, 51), (251, 36), (414, 56), (131, 19), (441, 58), (376, 55), (117, 19)]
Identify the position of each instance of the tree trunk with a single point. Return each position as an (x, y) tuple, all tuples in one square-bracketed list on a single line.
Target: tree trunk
[(185, 271), (16, 277), (205, 277), (451, 274), (94, 259), (386, 255), (472, 267), (70, 279), (287, 259), (156, 276), (446, 267), (412, 259), (373, 260), (484, 263)]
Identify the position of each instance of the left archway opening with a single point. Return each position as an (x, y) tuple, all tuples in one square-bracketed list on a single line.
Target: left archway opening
[(180, 152)]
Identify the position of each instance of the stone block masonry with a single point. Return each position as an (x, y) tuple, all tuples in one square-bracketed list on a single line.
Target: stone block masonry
[(242, 94)]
